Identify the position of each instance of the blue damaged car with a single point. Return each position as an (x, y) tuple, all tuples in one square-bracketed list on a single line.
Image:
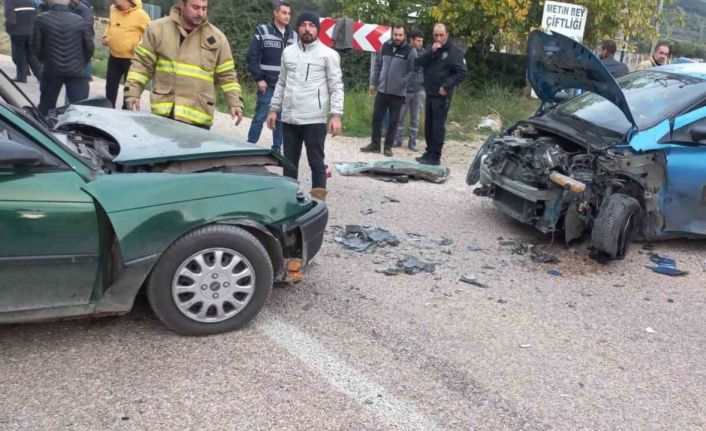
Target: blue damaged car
[(624, 160)]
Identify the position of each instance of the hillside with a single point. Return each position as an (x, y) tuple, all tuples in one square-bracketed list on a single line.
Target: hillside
[(693, 12)]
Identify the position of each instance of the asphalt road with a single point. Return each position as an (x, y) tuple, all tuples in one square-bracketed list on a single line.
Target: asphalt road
[(352, 349)]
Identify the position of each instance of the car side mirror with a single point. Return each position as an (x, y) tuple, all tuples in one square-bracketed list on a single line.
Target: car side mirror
[(698, 133), (561, 96), (15, 154)]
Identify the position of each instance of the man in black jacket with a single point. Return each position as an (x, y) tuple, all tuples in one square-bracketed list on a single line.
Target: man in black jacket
[(19, 21), (607, 55), (444, 69), (264, 63), (394, 69), (64, 45)]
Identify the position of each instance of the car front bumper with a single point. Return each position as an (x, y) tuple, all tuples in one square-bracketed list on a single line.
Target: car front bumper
[(312, 226), (523, 202)]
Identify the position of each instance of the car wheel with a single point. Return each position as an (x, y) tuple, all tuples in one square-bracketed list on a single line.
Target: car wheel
[(473, 175), (213, 280), (616, 225)]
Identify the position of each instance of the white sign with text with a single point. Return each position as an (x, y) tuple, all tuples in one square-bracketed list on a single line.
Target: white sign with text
[(565, 18)]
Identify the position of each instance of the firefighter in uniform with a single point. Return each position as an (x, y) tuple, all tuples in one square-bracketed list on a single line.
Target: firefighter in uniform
[(185, 56)]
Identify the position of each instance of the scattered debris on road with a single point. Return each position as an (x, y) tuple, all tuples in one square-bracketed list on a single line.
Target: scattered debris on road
[(539, 254), (472, 280), (367, 211), (390, 199), (554, 272), (445, 241), (366, 238), (650, 330), (412, 265), (395, 170), (665, 266)]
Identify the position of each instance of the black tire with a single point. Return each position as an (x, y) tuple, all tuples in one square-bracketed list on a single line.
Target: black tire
[(617, 224), (473, 175), (159, 287)]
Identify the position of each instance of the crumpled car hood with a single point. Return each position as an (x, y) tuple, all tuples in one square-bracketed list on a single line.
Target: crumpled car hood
[(146, 138), (556, 62)]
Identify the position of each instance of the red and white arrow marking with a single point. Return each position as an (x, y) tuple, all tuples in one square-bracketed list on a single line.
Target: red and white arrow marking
[(366, 37)]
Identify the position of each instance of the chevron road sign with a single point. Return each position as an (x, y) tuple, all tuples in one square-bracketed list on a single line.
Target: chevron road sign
[(366, 37)]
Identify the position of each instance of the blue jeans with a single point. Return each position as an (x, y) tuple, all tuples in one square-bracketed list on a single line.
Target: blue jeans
[(262, 108)]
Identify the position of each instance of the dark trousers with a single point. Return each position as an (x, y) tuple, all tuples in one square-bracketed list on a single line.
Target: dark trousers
[(117, 71), (50, 87), (23, 58), (313, 136), (437, 110), (383, 104)]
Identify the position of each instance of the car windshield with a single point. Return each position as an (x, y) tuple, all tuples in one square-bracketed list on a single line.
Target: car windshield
[(652, 96)]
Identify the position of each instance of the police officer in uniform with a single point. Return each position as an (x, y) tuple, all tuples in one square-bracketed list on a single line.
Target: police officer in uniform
[(444, 69), (263, 62)]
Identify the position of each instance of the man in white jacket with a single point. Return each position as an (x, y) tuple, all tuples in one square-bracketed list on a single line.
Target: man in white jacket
[(310, 87)]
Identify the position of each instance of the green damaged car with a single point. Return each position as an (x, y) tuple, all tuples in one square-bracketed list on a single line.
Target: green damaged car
[(97, 204)]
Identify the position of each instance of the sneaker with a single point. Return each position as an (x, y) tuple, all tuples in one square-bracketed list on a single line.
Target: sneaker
[(413, 146), (387, 152), (370, 148)]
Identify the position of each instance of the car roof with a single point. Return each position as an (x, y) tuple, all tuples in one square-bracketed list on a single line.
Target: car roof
[(695, 70)]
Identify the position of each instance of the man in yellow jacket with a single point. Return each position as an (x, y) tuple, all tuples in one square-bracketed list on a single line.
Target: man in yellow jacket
[(185, 56), (128, 22)]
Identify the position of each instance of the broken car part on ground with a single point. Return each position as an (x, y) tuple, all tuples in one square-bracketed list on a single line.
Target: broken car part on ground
[(397, 170), (623, 160)]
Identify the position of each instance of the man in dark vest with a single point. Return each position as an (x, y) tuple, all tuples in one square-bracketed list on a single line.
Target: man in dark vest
[(263, 62), (394, 70), (607, 55), (19, 23), (444, 69)]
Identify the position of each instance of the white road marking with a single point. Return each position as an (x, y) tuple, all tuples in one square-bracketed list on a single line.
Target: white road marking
[(344, 378)]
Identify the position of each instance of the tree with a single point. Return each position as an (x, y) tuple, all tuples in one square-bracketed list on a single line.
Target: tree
[(482, 22), (238, 21)]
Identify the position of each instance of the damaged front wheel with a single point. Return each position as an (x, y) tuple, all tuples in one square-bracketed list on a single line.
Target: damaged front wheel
[(616, 225)]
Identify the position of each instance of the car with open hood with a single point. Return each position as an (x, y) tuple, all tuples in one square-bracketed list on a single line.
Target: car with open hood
[(621, 161), (97, 204)]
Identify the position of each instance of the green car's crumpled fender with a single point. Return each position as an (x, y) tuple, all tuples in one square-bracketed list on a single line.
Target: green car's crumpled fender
[(149, 211)]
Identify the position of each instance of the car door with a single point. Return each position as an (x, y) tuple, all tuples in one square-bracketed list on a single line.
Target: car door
[(684, 195), (48, 230)]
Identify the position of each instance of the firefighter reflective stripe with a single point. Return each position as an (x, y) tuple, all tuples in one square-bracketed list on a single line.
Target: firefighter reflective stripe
[(20, 9), (163, 109), (231, 86), (225, 67), (184, 69), (144, 52), (270, 68), (140, 77), (182, 112)]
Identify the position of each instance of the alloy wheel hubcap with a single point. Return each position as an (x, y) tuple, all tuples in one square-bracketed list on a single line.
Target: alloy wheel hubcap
[(213, 285)]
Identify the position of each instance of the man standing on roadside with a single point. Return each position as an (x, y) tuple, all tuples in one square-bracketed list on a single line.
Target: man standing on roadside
[(310, 81), (185, 56), (394, 69), (607, 53), (444, 69), (414, 100), (19, 23), (64, 45), (263, 62), (658, 57), (128, 22)]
